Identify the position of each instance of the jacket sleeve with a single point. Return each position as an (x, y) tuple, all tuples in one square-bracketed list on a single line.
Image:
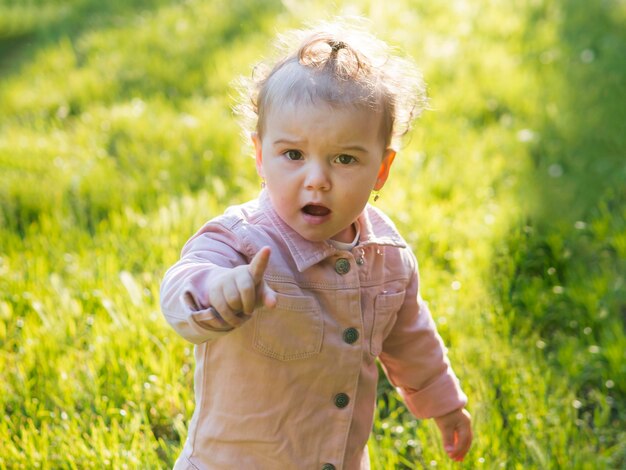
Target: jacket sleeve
[(184, 300), (415, 360)]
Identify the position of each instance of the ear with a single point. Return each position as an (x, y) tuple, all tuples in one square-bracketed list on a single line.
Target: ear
[(258, 152), (383, 171)]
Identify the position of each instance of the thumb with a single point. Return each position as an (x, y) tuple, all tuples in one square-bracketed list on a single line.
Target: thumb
[(258, 265), (268, 296)]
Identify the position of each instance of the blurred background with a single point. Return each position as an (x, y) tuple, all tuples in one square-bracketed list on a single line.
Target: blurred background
[(117, 141)]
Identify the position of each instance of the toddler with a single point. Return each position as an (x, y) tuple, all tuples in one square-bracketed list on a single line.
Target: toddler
[(292, 297)]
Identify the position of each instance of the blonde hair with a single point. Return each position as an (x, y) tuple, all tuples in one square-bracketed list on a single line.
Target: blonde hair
[(342, 65)]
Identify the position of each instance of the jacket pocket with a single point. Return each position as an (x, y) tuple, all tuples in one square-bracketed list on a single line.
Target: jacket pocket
[(293, 329), (385, 308)]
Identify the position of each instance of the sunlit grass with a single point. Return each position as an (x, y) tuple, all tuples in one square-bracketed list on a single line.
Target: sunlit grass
[(117, 142)]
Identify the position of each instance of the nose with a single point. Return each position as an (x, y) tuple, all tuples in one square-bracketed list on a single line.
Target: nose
[(316, 177)]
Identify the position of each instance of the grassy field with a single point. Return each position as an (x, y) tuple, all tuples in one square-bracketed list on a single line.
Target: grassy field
[(117, 141)]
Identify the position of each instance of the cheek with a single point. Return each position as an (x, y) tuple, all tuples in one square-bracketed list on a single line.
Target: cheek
[(365, 181), (273, 170), (283, 202)]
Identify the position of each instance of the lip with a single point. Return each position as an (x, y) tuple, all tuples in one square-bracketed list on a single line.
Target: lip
[(315, 219)]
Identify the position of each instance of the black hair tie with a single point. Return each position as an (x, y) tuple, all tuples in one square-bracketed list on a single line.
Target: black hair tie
[(336, 45)]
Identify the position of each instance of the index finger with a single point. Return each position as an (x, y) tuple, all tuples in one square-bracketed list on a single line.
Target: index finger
[(259, 263)]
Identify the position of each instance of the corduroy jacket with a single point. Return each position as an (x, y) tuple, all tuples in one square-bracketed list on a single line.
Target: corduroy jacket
[(294, 387)]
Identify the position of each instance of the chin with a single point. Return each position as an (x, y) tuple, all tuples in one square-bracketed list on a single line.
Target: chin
[(313, 237)]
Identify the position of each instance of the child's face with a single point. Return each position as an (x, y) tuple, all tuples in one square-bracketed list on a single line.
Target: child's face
[(320, 164)]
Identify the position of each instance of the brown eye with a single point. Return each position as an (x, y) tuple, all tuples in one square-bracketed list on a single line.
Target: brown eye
[(293, 155), (345, 159)]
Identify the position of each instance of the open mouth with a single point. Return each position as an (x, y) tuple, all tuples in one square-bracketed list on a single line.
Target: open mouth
[(316, 210)]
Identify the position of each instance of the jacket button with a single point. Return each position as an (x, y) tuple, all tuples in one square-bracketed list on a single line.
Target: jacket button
[(350, 335), (341, 400), (328, 466), (342, 266)]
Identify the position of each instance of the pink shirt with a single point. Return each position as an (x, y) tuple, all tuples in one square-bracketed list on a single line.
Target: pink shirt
[(295, 386)]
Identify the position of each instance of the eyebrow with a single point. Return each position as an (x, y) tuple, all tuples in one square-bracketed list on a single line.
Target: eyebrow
[(287, 141), (356, 148), (349, 148)]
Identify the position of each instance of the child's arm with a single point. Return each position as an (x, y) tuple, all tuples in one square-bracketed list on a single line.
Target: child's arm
[(415, 360), (456, 433), (213, 263)]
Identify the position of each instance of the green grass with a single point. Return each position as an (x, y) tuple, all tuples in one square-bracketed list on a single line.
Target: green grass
[(117, 142)]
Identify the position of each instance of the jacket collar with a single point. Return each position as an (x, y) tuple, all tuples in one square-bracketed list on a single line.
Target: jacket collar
[(376, 229)]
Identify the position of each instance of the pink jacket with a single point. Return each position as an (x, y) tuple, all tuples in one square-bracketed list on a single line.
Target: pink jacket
[(295, 386)]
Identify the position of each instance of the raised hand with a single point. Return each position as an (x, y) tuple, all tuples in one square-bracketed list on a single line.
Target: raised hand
[(235, 293)]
